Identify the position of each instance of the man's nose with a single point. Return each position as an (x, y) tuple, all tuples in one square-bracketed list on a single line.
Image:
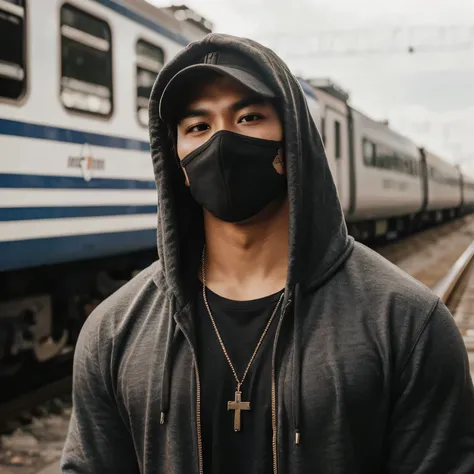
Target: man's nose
[(225, 123)]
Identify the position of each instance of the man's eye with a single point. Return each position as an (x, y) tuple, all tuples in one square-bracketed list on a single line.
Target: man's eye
[(200, 127), (250, 117)]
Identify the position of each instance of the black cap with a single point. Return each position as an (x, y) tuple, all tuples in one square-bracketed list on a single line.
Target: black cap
[(223, 62)]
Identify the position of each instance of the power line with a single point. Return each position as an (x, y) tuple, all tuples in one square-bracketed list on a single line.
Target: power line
[(411, 40)]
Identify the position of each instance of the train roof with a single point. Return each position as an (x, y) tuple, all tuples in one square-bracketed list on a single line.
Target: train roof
[(183, 13), (307, 88), (435, 160), (178, 23), (330, 87), (382, 130)]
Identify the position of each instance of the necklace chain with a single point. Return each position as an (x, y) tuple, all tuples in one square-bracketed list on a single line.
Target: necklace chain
[(239, 383)]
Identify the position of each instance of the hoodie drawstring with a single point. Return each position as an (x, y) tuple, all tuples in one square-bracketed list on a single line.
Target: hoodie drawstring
[(296, 386), (167, 364)]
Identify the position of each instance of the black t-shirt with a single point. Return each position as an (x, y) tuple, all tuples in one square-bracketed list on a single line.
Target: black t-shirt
[(240, 324)]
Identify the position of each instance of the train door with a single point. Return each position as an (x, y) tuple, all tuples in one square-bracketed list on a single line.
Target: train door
[(336, 142)]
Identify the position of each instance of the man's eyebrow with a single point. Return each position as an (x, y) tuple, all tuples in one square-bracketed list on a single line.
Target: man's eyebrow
[(249, 100), (239, 105), (192, 113)]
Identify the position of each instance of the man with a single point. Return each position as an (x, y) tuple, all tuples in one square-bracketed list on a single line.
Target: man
[(264, 339)]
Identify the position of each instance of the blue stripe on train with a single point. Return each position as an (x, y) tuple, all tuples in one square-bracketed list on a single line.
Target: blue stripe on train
[(70, 182), (35, 252), (58, 134), (33, 213)]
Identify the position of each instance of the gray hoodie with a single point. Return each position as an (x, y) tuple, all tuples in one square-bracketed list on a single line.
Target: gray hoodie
[(369, 372)]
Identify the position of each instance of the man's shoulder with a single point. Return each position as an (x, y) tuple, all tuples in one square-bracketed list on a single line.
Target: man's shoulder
[(396, 307), (382, 280)]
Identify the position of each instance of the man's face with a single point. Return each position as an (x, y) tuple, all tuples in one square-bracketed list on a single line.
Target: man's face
[(224, 104)]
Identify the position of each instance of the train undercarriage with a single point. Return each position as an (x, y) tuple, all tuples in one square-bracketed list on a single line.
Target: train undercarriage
[(42, 310)]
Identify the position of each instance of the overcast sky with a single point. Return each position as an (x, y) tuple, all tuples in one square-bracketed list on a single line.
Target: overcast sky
[(427, 96)]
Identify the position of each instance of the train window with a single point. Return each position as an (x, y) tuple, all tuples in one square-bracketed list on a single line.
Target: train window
[(12, 49), (382, 158), (416, 168), (369, 151), (408, 166), (397, 163), (86, 62), (386, 160), (150, 61), (337, 138)]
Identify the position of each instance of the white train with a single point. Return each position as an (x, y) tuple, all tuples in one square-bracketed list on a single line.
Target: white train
[(77, 191), (73, 126), (387, 184)]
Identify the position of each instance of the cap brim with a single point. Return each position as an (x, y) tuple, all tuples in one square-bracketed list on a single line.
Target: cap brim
[(172, 89)]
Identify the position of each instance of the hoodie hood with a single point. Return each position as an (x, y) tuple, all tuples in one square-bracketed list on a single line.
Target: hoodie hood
[(318, 239)]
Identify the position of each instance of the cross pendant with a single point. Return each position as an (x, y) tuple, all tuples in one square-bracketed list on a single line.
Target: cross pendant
[(238, 405)]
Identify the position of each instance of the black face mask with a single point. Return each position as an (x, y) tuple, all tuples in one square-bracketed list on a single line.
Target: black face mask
[(233, 176)]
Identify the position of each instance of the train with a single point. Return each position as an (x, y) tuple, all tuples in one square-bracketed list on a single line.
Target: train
[(78, 199), (388, 185)]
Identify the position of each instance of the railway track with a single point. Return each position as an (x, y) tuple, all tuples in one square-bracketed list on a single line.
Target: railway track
[(456, 290), (428, 255)]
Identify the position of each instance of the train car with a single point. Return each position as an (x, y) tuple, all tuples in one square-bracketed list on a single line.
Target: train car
[(443, 188), (76, 178), (75, 170), (388, 176), (378, 172), (387, 185)]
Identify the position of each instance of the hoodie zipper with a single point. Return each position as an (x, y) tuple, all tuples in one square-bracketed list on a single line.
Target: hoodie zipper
[(198, 420), (198, 402), (274, 416)]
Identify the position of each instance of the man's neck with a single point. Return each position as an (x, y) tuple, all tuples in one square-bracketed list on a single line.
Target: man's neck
[(247, 261)]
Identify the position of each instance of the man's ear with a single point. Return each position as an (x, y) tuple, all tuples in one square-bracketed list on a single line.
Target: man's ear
[(279, 162)]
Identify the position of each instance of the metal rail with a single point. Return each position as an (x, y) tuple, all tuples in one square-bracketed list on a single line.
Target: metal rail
[(445, 287)]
